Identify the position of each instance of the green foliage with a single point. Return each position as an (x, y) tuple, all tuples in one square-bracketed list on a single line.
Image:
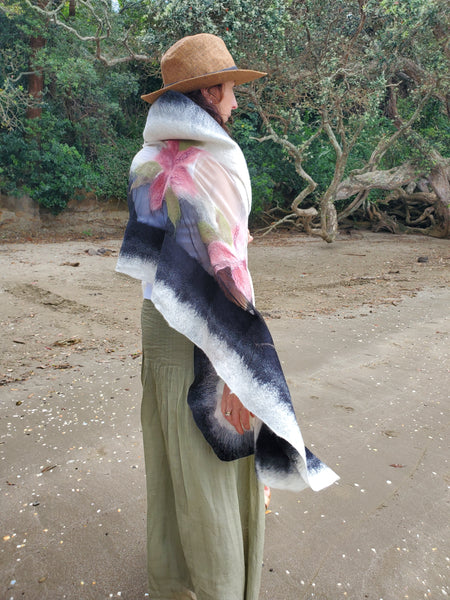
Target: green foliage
[(49, 171), (13, 102), (61, 172), (88, 130), (250, 29), (273, 176), (434, 126), (14, 55), (43, 164), (112, 167)]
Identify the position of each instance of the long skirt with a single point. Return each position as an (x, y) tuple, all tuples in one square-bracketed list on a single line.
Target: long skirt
[(205, 517)]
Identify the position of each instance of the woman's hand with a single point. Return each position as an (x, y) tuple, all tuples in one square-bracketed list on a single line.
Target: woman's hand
[(234, 411)]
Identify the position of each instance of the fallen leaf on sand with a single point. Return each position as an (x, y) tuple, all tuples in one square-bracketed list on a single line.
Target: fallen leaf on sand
[(48, 468)]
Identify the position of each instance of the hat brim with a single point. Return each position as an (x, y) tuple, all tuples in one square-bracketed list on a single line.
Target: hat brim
[(239, 76)]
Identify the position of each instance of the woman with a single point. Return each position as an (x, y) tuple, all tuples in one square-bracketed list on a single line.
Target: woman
[(186, 240)]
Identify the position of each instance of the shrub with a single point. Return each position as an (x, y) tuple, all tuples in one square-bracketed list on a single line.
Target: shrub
[(49, 171), (112, 167)]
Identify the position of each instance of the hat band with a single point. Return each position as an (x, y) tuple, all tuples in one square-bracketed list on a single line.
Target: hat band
[(234, 68)]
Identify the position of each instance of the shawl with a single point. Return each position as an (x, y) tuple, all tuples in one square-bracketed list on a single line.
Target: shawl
[(189, 199)]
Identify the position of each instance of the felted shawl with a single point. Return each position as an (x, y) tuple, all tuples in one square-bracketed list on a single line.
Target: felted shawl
[(189, 200)]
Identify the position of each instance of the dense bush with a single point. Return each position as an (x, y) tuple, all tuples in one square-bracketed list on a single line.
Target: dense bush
[(48, 170), (112, 167), (90, 123)]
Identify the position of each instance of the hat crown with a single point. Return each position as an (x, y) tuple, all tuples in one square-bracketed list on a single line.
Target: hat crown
[(196, 62), (194, 56)]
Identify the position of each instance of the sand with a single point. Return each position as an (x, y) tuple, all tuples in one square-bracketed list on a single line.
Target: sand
[(362, 330)]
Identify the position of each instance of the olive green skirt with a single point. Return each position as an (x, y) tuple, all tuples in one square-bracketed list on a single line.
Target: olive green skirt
[(205, 517)]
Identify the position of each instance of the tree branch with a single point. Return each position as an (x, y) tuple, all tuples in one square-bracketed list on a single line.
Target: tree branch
[(362, 21), (385, 143), (382, 180), (330, 133), (104, 28)]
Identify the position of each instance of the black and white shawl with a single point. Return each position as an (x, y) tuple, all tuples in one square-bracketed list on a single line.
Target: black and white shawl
[(212, 304)]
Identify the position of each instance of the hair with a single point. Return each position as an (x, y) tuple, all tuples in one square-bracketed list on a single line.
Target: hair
[(199, 99)]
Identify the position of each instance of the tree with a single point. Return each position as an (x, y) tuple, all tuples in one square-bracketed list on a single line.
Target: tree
[(84, 109), (97, 24), (36, 73), (340, 70)]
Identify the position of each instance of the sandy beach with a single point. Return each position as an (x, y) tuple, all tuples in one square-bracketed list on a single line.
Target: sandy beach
[(362, 329)]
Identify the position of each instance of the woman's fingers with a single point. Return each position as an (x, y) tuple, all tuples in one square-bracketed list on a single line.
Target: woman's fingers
[(234, 411), (235, 420), (226, 403), (245, 418)]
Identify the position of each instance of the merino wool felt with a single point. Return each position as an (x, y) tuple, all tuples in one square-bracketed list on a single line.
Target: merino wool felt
[(233, 343), (233, 346)]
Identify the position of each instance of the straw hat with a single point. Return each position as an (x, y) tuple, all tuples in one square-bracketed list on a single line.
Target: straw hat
[(199, 61)]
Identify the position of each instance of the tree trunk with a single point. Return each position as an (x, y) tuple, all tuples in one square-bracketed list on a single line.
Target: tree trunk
[(36, 79), (439, 180), (328, 219), (72, 6), (416, 203), (328, 214), (382, 180)]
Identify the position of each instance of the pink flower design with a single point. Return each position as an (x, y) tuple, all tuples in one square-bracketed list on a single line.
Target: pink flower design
[(174, 174), (222, 256), (240, 240)]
